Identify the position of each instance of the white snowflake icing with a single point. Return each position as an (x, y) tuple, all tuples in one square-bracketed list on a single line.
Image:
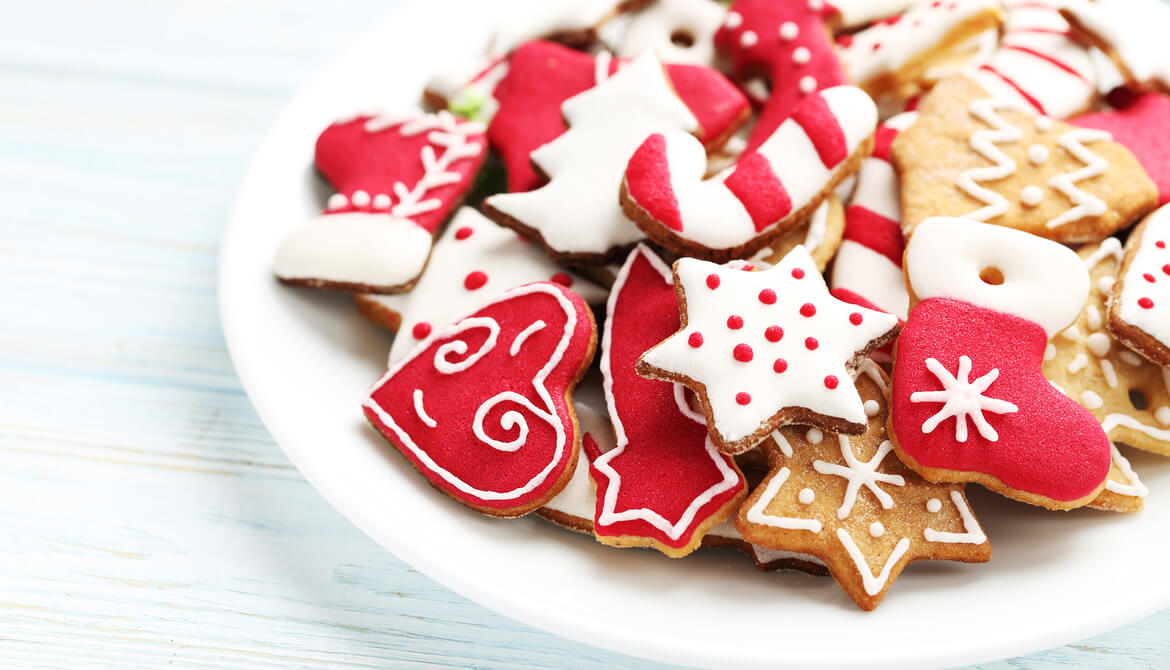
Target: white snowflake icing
[(963, 399), (859, 474)]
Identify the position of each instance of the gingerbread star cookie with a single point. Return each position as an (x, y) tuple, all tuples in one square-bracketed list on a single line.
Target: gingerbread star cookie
[(767, 349), (1141, 296), (980, 157), (848, 501)]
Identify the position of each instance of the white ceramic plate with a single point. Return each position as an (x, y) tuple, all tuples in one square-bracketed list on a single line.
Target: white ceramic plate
[(306, 359)]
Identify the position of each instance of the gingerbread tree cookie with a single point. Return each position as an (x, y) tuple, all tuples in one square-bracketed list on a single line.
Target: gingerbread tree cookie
[(848, 501), (985, 159)]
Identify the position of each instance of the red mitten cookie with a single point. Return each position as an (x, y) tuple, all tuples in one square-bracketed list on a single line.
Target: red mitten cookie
[(483, 408), (664, 484), (397, 182), (970, 402), (740, 211)]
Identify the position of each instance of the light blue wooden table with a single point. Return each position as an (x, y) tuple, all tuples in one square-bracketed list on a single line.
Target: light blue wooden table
[(148, 519)]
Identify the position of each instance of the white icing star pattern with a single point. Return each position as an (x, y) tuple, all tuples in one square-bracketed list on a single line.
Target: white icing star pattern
[(861, 474), (962, 399), (763, 341)]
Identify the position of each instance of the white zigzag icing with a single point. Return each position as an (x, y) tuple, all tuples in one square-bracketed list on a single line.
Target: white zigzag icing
[(1084, 204), (983, 142)]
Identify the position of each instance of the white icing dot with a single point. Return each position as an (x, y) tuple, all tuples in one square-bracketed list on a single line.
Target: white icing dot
[(381, 201), (789, 31), (1050, 352), (1093, 317), (1079, 363), (1163, 416), (360, 199), (1099, 344), (1043, 124), (1091, 400), (1105, 284), (1032, 196), (734, 20), (337, 201), (1038, 154), (748, 39), (876, 529), (1071, 333), (806, 497), (934, 505), (872, 408), (814, 435), (1130, 358), (808, 85), (801, 56)]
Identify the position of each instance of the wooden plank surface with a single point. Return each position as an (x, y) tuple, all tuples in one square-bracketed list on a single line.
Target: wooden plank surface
[(148, 518)]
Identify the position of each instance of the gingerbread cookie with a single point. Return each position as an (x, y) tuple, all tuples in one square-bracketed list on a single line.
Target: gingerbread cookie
[(473, 261), (397, 181), (768, 192), (1137, 315), (892, 57), (788, 44), (483, 407), (980, 157), (822, 237), (1038, 64), (664, 484), (767, 349), (1089, 366), (849, 502), (1138, 124), (970, 402), (1131, 32)]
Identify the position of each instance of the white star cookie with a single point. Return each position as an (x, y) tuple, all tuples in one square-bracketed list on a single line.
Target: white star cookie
[(767, 349)]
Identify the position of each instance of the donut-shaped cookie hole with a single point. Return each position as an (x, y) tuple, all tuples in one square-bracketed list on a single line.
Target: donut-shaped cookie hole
[(683, 38), (1138, 399), (992, 276)]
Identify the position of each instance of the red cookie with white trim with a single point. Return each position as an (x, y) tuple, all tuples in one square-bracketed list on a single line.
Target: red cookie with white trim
[(849, 502), (664, 484), (398, 180), (1141, 295), (768, 192), (483, 408), (970, 401), (767, 349)]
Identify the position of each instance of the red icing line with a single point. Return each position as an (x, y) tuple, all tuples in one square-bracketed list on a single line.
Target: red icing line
[(648, 183), (1047, 58), (756, 185), (883, 138), (1010, 82), (817, 120), (875, 232), (666, 465), (1052, 447)]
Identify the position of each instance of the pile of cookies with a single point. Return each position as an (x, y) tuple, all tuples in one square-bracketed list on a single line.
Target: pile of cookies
[(818, 263)]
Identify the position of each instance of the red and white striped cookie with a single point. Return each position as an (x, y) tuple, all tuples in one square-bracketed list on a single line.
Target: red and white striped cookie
[(739, 211), (868, 269)]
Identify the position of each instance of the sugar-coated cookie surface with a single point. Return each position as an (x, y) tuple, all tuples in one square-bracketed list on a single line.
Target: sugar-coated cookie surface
[(848, 501), (767, 349), (664, 484), (483, 407), (986, 159), (766, 193), (1141, 295), (970, 402)]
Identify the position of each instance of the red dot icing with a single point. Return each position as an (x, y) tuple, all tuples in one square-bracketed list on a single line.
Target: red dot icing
[(1149, 277), (808, 309), (712, 282), (421, 330), (831, 382), (856, 318), (811, 343), (747, 267), (735, 322), (562, 279), (1166, 269), (1160, 244), (743, 353), (780, 365), (743, 398), (1146, 303), (798, 274), (774, 333), (768, 296), (463, 233), (695, 340), (475, 280)]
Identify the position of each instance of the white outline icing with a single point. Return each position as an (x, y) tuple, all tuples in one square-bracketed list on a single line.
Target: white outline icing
[(757, 515), (873, 584), (421, 410), (528, 332), (859, 474), (1085, 204), (983, 142), (972, 531)]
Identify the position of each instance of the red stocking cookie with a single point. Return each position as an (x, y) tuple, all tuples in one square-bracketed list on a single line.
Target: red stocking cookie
[(1141, 296), (738, 212), (397, 182), (1140, 125), (788, 43), (767, 349), (970, 402), (483, 408), (664, 484), (472, 262)]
